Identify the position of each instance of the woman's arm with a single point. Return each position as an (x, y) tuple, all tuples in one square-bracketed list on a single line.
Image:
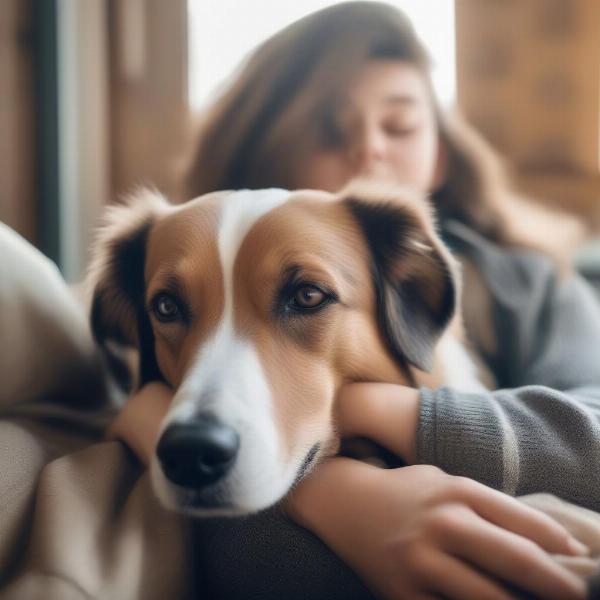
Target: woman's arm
[(138, 423), (383, 412), (521, 441), (539, 434)]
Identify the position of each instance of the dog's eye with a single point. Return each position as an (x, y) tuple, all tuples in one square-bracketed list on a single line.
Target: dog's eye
[(165, 308), (307, 297)]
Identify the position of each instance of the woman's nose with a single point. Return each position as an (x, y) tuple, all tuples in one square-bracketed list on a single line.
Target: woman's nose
[(370, 149)]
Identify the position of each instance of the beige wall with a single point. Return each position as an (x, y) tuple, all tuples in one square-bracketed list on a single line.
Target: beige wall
[(17, 167), (149, 108)]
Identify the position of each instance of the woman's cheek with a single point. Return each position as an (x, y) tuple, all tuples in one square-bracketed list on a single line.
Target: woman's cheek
[(415, 163)]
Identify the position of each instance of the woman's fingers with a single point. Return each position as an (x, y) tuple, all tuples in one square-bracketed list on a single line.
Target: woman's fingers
[(456, 580), (511, 558), (509, 513)]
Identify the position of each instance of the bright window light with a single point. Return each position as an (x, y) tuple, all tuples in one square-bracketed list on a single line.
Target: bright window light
[(222, 32)]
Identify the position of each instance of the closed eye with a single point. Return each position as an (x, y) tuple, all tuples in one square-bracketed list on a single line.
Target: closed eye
[(399, 129)]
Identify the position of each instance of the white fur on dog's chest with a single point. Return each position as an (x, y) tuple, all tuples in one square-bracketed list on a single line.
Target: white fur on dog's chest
[(459, 369)]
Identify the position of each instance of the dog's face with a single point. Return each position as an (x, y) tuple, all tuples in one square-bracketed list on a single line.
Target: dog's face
[(256, 306)]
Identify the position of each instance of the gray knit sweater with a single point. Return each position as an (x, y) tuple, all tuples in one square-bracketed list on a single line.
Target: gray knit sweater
[(540, 431)]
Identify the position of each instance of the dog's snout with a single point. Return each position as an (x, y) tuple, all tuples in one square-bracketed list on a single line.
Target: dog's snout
[(197, 453)]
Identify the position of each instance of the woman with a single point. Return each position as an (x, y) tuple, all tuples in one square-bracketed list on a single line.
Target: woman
[(346, 92)]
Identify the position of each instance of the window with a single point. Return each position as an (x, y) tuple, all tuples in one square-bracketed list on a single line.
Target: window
[(223, 32)]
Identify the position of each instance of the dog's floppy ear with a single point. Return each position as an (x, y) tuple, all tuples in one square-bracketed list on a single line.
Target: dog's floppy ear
[(116, 277), (414, 274)]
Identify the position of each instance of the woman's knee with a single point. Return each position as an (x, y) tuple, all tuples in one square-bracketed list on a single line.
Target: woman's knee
[(267, 556)]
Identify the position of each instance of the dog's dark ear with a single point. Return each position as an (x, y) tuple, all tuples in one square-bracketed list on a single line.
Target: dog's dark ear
[(116, 277), (415, 276)]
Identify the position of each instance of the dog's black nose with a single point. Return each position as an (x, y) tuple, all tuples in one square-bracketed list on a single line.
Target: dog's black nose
[(197, 453)]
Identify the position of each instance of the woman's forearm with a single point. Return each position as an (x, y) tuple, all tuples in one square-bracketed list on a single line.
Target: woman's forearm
[(521, 441), (138, 423), (334, 487), (385, 413)]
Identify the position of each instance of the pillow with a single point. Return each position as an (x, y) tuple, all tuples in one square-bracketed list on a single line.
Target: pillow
[(45, 343)]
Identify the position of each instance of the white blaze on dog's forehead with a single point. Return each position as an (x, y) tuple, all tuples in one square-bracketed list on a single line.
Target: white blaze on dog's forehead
[(240, 211)]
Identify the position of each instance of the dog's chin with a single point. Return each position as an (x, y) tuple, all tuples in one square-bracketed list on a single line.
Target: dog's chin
[(200, 504)]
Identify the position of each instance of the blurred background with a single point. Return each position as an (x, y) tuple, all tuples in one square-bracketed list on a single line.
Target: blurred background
[(99, 96)]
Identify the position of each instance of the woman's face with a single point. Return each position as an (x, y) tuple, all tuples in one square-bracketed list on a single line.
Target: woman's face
[(385, 128)]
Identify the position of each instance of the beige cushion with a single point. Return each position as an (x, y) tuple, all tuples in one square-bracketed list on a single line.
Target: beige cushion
[(45, 341)]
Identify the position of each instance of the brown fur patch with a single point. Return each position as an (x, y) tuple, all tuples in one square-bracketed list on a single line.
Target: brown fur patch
[(182, 250)]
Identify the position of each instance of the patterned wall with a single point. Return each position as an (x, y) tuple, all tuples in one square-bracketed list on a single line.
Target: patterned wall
[(528, 77)]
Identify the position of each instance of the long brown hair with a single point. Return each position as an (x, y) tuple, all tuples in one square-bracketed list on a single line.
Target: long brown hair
[(284, 91)]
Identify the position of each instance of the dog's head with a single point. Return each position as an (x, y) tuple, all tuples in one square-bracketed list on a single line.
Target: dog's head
[(256, 306)]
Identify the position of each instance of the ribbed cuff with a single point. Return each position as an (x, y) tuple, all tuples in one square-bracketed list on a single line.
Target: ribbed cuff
[(462, 434)]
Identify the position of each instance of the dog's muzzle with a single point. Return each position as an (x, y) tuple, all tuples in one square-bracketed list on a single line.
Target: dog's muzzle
[(197, 453)]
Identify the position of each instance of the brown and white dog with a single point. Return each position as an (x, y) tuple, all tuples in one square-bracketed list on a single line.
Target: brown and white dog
[(256, 307)]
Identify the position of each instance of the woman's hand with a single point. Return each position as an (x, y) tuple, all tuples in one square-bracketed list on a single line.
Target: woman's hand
[(138, 423), (417, 532), (383, 412)]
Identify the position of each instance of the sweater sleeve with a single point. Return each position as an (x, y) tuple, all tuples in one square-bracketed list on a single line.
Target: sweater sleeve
[(541, 431)]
